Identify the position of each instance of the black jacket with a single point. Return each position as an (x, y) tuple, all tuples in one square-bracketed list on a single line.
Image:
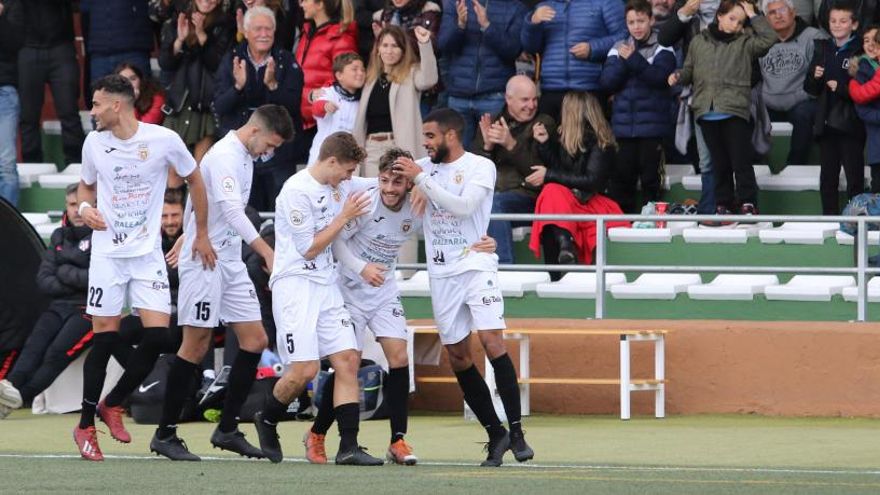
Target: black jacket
[(64, 271), (835, 108), (584, 173), (11, 40), (173, 278), (48, 23), (260, 278), (192, 83)]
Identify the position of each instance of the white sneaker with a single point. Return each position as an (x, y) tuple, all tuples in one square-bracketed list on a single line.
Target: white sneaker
[(10, 397)]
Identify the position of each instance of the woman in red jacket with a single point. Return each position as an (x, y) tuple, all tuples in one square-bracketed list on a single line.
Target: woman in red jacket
[(149, 96), (329, 31)]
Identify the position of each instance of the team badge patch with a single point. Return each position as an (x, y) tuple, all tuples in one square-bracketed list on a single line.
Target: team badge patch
[(296, 217), (228, 184), (143, 152), (459, 178), (406, 225), (84, 245), (337, 196)]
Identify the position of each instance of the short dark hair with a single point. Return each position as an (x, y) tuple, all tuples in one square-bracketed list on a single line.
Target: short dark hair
[(846, 6), (71, 189), (174, 196), (115, 84), (389, 157), (639, 6), (342, 146), (275, 119), (446, 119), (343, 59)]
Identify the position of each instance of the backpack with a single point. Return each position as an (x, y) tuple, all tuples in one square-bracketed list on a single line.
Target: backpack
[(371, 381), (865, 204)]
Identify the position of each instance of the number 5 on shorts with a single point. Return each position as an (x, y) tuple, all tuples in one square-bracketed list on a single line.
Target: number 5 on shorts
[(289, 343), (203, 311)]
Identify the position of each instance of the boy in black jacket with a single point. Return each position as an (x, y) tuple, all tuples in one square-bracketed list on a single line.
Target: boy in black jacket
[(840, 132)]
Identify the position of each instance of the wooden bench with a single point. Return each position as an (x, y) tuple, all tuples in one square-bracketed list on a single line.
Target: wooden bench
[(627, 384)]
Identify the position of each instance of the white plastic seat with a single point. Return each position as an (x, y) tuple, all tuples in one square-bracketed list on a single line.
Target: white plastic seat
[(37, 218), (69, 175), (738, 234), (580, 285), (847, 240), (656, 286), (694, 182), (809, 288), (627, 234), (732, 287), (781, 129), (674, 173), (416, 286), (851, 294), (45, 230), (792, 178), (28, 173), (515, 284), (521, 233), (799, 233)]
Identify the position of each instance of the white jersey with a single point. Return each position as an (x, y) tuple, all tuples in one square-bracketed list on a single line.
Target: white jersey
[(303, 208), (340, 120), (448, 238), (227, 169), (131, 175), (376, 237)]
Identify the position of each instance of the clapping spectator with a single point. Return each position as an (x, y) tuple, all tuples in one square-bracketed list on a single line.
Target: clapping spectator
[(578, 160), (573, 37), (636, 73), (840, 132), (253, 74), (507, 139), (481, 43), (149, 97), (389, 115), (11, 37), (719, 64), (865, 91), (285, 24)]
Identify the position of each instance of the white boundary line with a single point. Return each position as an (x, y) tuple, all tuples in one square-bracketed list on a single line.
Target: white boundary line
[(573, 467)]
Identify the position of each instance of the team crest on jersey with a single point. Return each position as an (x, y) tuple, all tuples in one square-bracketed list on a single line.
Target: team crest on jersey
[(296, 217), (337, 196), (406, 225), (228, 184), (84, 245), (143, 152), (459, 178)]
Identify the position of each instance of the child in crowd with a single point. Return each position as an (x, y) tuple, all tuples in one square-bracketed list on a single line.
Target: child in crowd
[(636, 72), (840, 132), (337, 106), (865, 91), (719, 64)]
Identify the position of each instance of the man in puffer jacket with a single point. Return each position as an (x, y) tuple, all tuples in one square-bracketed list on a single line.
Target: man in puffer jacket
[(481, 44), (635, 73), (573, 37)]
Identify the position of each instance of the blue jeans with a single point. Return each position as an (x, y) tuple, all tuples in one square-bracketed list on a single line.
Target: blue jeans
[(502, 232), (474, 108), (9, 111), (101, 65), (706, 205)]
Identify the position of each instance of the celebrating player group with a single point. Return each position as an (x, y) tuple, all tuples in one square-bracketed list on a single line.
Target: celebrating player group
[(332, 276)]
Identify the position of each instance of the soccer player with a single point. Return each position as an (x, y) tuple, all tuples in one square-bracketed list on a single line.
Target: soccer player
[(313, 208), (226, 293), (127, 162), (464, 284)]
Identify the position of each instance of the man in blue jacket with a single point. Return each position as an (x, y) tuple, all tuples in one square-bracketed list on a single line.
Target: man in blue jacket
[(481, 43), (119, 31), (573, 37)]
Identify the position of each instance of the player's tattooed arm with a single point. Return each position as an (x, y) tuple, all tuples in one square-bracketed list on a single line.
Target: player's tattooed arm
[(88, 196), (202, 243)]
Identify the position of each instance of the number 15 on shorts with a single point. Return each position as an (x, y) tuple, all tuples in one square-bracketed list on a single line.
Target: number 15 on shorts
[(203, 311)]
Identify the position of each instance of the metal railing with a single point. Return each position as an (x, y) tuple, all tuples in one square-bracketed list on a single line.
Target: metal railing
[(601, 266)]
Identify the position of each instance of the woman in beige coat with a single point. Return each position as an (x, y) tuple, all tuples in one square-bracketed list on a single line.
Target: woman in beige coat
[(388, 115)]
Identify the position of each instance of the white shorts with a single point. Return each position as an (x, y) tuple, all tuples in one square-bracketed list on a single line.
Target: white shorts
[(310, 320), (224, 294), (143, 279), (465, 302), (382, 313)]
